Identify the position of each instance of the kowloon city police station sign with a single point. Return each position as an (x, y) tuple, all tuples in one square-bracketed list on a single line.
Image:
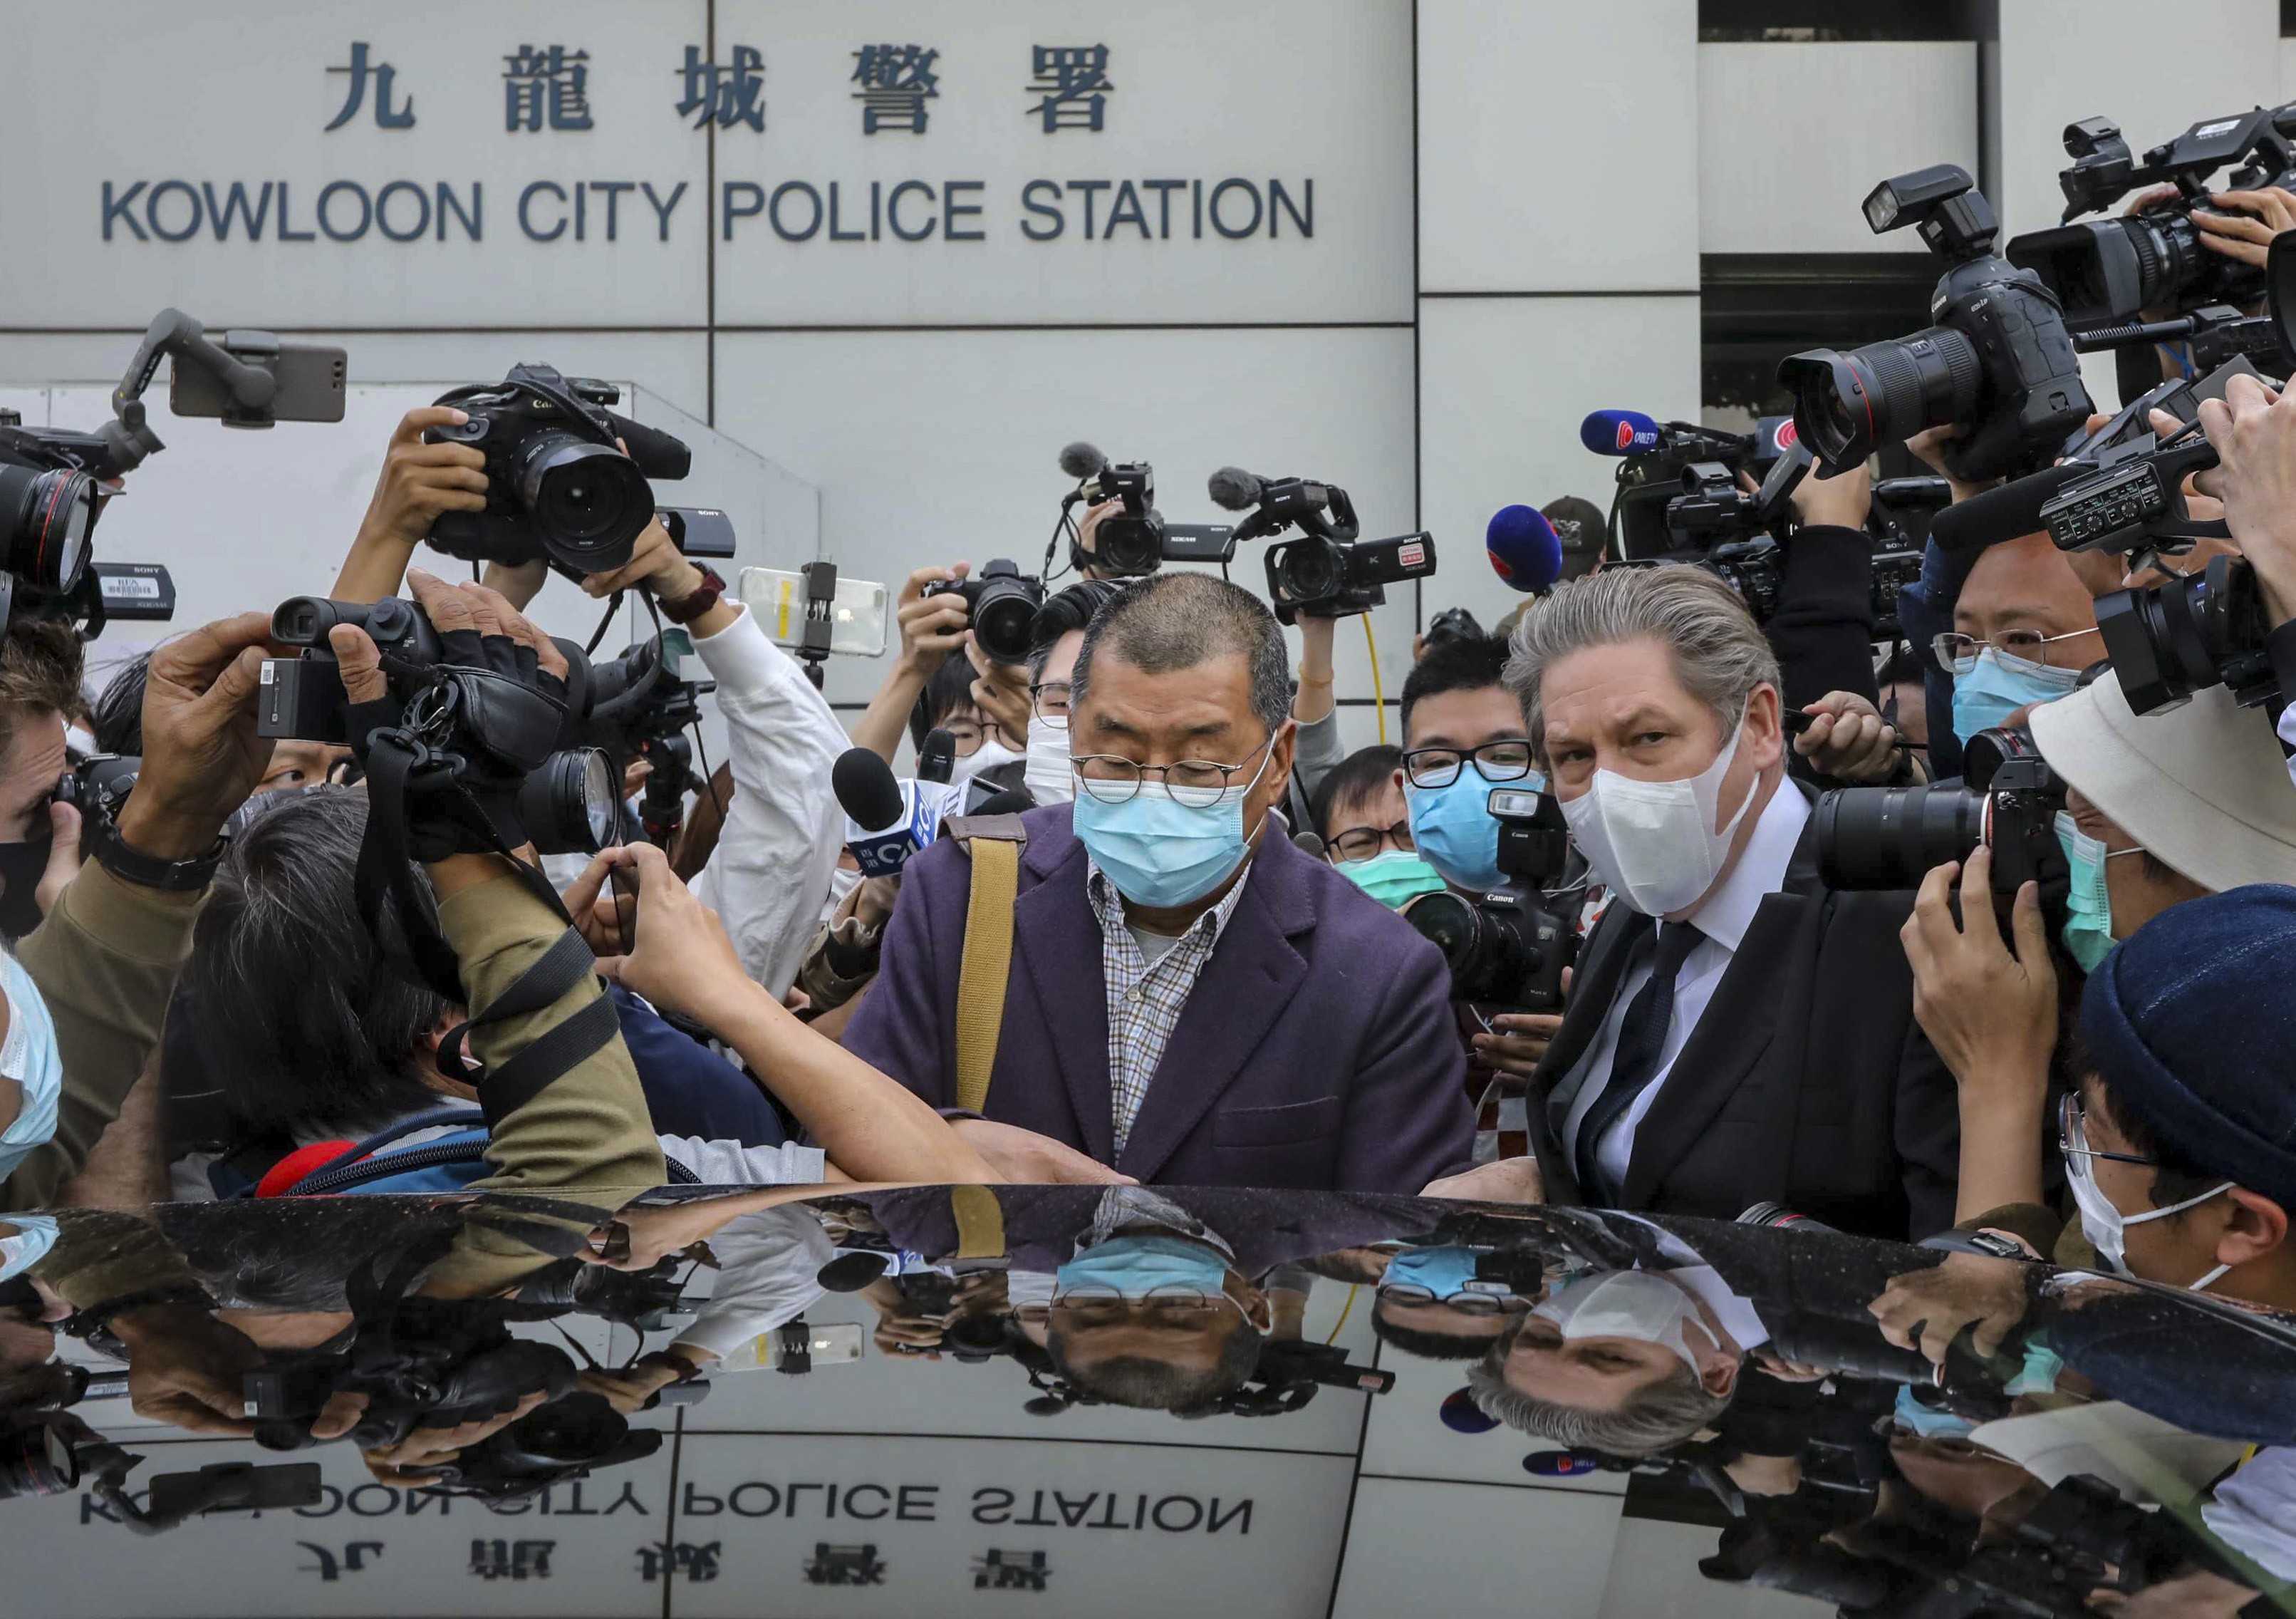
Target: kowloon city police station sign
[(803, 163)]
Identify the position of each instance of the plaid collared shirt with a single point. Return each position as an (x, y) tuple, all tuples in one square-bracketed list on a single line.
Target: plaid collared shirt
[(1144, 1001)]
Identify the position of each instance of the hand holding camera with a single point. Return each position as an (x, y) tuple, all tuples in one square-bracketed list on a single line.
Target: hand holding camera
[(202, 754), (683, 962), (656, 566), (932, 625), (422, 481), (2245, 237), (1991, 1013), (2254, 431)]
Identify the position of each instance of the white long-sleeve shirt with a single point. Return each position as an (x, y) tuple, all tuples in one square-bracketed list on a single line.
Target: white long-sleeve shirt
[(769, 877)]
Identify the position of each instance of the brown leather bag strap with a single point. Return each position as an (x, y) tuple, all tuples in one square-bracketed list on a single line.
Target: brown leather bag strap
[(994, 842)]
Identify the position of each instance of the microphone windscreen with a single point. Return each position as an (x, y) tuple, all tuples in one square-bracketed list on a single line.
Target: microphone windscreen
[(1081, 461), (866, 789), (1233, 490), (1307, 843), (1617, 433), (937, 760), (1523, 548), (2001, 513), (659, 454)]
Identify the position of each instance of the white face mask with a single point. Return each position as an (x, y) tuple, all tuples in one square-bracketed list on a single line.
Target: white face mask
[(1654, 842), (2106, 1226), (1048, 777), (987, 756), (1627, 1304)]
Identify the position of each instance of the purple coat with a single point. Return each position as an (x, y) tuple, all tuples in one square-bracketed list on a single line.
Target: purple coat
[(1316, 1050)]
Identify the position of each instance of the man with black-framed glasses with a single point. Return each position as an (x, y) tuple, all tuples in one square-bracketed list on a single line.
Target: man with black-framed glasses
[(1190, 999)]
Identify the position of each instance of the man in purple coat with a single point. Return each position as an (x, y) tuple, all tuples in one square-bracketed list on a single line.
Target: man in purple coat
[(1193, 1000)]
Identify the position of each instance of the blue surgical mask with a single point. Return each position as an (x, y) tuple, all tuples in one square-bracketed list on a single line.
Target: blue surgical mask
[(29, 1055), (1161, 852), (2087, 931), (1443, 1271), (1999, 685), (36, 1234), (1133, 1267), (1455, 829)]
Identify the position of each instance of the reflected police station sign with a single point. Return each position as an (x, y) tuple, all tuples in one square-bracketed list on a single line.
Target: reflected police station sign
[(803, 164)]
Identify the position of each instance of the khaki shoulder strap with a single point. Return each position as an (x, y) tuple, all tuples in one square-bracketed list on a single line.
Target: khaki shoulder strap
[(995, 843)]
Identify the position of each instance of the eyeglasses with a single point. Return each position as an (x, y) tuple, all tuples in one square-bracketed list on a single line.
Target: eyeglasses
[(1362, 842), (1465, 1303), (1198, 783), (1048, 700), (2072, 1136), (965, 733), (1958, 652), (1090, 1305), (1494, 762)]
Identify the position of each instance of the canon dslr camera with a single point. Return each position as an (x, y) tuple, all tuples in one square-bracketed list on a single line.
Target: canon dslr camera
[(1509, 947), (1887, 838), (1004, 602), (558, 483), (1997, 361)]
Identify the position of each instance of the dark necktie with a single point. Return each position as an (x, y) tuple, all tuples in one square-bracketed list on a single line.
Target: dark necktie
[(1642, 1037)]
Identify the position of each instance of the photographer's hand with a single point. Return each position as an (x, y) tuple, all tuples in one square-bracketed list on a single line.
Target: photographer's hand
[(2244, 223), (1517, 1041), (1992, 1017), (1088, 532), (2254, 431), (1315, 701), (1848, 740), (660, 569), (931, 628), (1928, 447), (1842, 501), (63, 855), (418, 483), (1926, 1310), (202, 757), (185, 1367), (1001, 694)]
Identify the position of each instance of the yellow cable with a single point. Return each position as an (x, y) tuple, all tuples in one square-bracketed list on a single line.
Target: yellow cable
[(1344, 1312), (1378, 697)]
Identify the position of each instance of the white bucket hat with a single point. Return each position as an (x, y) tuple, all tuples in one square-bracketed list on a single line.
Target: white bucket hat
[(2204, 786)]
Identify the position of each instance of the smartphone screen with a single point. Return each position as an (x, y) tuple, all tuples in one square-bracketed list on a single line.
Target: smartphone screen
[(777, 596), (624, 879)]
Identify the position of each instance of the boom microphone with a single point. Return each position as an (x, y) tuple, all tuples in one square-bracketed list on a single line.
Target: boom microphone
[(1233, 490), (2012, 509), (1080, 460), (1523, 548), (1618, 432)]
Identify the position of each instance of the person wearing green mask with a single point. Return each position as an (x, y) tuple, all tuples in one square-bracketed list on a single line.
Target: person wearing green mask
[(1365, 826), (2161, 808)]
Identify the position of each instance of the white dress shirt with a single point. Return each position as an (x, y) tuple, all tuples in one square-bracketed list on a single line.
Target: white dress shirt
[(1723, 919), (770, 874)]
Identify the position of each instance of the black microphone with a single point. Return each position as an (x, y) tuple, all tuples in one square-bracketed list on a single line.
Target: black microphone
[(2003, 512), (1233, 490), (659, 454), (1009, 801), (937, 760), (1307, 843), (866, 789), (1080, 460)]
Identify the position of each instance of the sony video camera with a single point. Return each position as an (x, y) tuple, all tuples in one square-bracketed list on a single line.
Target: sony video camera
[(2208, 627), (560, 484), (567, 801), (2106, 270), (1997, 361), (1327, 572), (1004, 602), (1510, 946), (1133, 543), (1886, 838)]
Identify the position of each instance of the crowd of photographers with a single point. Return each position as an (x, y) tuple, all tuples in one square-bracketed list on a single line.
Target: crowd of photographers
[(1772, 852)]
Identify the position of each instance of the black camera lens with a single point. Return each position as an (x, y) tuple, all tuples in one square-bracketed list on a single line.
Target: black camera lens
[(45, 518), (573, 805), (2113, 270), (1129, 545), (1883, 838), (2175, 639), (1308, 571), (1004, 605), (589, 501), (1485, 949), (1847, 406), (36, 1458)]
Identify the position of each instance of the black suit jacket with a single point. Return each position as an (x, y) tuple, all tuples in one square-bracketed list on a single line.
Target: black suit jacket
[(1806, 1083)]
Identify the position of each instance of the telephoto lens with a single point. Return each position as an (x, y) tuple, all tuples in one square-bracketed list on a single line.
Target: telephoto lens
[(1005, 604), (589, 500), (1487, 948), (1847, 406), (45, 518), (573, 805), (1885, 838), (36, 1458)]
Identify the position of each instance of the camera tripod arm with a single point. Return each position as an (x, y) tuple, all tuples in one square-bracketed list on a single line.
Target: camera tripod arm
[(129, 437)]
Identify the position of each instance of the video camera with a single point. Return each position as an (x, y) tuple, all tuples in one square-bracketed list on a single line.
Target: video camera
[(567, 800), (2105, 270), (1133, 543), (640, 706), (566, 477), (1003, 602), (1886, 838), (1327, 572), (1997, 362), (1509, 947)]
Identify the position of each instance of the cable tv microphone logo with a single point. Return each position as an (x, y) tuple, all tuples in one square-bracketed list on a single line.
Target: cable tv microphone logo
[(1786, 437), (1626, 437)]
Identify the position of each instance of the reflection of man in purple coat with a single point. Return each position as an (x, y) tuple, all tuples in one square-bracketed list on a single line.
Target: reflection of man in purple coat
[(1192, 999)]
